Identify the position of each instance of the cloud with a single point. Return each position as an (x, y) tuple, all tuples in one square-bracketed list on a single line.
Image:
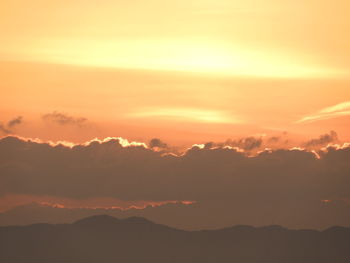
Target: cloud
[(64, 119), (274, 139), (187, 114), (157, 143), (8, 128), (323, 140), (338, 110), (10, 201), (15, 122), (229, 186), (4, 129), (247, 144)]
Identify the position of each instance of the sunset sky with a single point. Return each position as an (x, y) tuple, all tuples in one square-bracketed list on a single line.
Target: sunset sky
[(183, 72)]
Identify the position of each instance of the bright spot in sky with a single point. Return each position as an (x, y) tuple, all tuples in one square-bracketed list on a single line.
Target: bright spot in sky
[(175, 55), (187, 114)]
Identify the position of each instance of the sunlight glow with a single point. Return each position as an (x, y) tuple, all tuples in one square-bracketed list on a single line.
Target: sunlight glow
[(187, 114), (176, 55)]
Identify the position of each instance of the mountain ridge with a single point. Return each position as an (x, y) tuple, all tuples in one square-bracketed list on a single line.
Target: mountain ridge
[(107, 239), (173, 215), (105, 218)]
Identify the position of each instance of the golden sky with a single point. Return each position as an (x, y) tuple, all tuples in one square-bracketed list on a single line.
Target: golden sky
[(179, 70), (210, 90)]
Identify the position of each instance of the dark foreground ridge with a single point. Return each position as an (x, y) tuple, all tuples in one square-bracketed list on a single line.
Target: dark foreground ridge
[(108, 239)]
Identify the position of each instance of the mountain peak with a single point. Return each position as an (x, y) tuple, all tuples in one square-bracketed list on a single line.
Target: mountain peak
[(273, 228), (110, 220), (98, 219), (137, 220)]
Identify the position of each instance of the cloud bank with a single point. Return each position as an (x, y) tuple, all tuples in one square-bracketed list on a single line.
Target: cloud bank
[(274, 186)]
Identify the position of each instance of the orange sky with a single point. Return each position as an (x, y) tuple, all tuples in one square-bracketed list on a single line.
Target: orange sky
[(183, 71)]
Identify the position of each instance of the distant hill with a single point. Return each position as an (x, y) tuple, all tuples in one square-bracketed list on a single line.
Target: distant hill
[(196, 216), (104, 239)]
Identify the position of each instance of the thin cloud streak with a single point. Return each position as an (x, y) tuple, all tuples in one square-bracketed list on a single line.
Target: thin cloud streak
[(187, 114), (338, 110)]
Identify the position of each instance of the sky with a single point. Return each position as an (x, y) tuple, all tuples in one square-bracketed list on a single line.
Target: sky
[(250, 75), (144, 69)]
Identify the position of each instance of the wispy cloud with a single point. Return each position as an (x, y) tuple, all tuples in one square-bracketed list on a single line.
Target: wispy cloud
[(64, 119), (187, 114), (8, 128), (14, 122), (338, 110)]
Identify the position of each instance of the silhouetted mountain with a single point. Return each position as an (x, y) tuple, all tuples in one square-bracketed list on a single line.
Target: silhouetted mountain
[(188, 217), (107, 239), (104, 220)]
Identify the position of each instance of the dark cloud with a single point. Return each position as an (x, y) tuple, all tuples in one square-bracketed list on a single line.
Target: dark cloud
[(253, 144), (4, 129), (15, 122), (273, 139), (279, 186), (8, 128), (247, 144), (157, 143), (210, 145), (64, 119), (323, 140)]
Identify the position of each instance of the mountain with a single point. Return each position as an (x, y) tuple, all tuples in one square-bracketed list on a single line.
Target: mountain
[(197, 216), (105, 239)]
